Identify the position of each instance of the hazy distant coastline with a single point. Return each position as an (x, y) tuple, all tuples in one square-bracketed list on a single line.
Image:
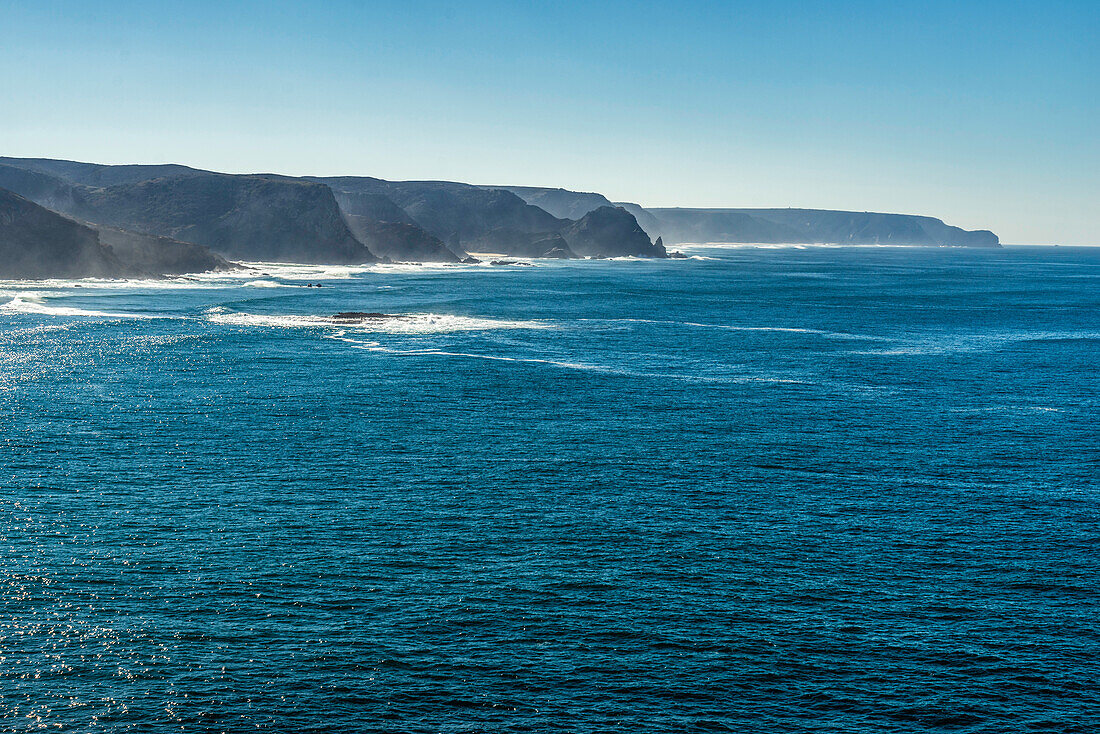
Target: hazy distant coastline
[(69, 219)]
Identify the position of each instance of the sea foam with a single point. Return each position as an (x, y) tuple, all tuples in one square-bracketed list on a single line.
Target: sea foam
[(35, 303), (414, 323)]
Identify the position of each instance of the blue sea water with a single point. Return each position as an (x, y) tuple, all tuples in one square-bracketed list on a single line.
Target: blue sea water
[(758, 490)]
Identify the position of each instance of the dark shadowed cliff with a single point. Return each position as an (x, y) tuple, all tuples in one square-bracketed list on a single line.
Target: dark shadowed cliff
[(388, 231), (482, 219), (154, 255), (335, 219), (243, 217), (561, 203), (38, 243), (355, 219), (41, 188), (459, 214), (399, 241), (610, 232)]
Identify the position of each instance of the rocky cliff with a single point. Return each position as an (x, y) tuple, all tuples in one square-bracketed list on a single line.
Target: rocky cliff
[(38, 243), (812, 226), (459, 214), (610, 232), (562, 203), (399, 241), (767, 225), (356, 219), (153, 255), (242, 217)]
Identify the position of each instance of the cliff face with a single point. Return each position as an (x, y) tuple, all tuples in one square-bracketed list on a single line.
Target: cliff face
[(244, 217), (41, 188), (766, 225), (811, 226), (458, 214), (351, 219), (371, 206), (153, 255), (647, 221), (872, 228), (610, 232), (388, 231), (561, 203), (335, 219), (38, 243), (496, 220), (399, 240)]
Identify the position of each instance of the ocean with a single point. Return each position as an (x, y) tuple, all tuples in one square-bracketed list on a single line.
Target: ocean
[(760, 489)]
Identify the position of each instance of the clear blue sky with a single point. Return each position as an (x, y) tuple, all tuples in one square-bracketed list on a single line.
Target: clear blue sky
[(986, 114)]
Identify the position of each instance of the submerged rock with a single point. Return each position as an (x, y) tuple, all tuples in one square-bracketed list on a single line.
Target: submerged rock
[(362, 316)]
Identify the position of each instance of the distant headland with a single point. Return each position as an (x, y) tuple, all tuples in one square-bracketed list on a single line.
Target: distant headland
[(65, 219)]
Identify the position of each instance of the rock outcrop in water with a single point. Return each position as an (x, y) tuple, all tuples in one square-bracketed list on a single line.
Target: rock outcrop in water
[(610, 232), (38, 243)]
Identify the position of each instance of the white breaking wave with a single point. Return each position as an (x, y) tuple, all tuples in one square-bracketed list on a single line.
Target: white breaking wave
[(214, 279), (314, 273), (416, 323), (35, 303), (265, 284)]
